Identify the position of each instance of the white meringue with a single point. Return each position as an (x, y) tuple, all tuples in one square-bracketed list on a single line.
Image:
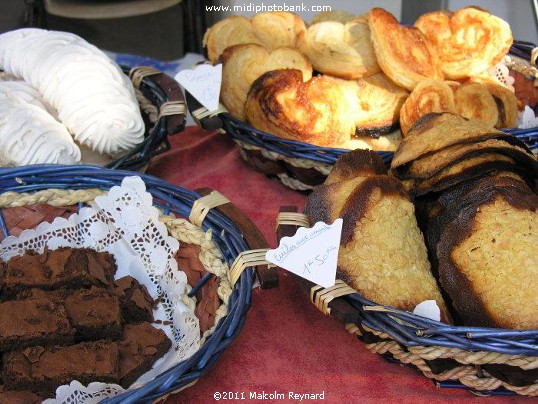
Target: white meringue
[(29, 133), (94, 99)]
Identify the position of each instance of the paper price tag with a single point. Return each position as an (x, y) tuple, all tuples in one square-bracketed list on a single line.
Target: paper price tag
[(203, 82), (312, 253)]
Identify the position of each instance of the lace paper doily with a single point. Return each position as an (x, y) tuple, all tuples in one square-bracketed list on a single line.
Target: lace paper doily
[(125, 223)]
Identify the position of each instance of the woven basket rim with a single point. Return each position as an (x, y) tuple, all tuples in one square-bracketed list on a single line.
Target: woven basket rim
[(171, 199)]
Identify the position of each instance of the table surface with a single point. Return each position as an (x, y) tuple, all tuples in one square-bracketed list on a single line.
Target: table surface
[(286, 345)]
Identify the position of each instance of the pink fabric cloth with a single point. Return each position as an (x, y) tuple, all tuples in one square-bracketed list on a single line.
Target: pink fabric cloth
[(286, 345)]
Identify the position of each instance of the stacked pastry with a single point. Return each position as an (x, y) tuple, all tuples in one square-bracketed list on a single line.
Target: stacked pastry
[(77, 86), (382, 252), (476, 205), (372, 63)]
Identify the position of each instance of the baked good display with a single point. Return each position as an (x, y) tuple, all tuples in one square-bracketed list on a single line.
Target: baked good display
[(383, 259), (64, 318), (242, 64), (404, 53), (270, 29), (468, 41), (93, 98), (477, 208), (342, 50)]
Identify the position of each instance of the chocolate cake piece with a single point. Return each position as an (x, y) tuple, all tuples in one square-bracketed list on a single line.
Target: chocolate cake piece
[(141, 345), (42, 369), (136, 303), (95, 313), (54, 269), (19, 397), (33, 321)]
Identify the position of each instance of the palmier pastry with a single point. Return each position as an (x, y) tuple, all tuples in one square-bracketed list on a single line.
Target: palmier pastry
[(468, 41), (317, 111), (405, 55), (378, 105), (242, 64), (332, 15), (505, 99), (474, 101), (270, 29), (340, 50), (428, 96), (383, 258)]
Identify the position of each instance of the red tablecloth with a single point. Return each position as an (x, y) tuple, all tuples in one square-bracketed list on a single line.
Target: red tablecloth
[(287, 345)]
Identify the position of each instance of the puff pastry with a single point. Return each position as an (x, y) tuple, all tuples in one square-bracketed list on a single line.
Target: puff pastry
[(405, 55), (270, 29), (317, 111), (341, 50), (242, 64), (473, 100), (428, 96), (29, 134), (93, 98), (378, 106), (505, 99), (333, 15), (468, 41)]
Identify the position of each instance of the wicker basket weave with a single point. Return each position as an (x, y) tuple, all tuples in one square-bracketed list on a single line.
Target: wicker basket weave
[(220, 240), (302, 166), (487, 361)]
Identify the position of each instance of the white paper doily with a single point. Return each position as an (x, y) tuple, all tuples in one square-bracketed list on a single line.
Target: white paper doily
[(125, 223)]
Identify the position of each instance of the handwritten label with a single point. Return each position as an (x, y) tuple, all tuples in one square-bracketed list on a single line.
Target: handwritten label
[(428, 309), (203, 82), (312, 253)]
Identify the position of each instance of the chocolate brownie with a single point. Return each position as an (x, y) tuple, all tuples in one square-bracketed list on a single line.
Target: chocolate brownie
[(41, 370), (136, 303), (95, 313), (69, 267), (141, 345), (33, 321), (18, 397)]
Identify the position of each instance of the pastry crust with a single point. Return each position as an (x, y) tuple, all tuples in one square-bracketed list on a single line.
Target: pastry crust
[(270, 29), (244, 63), (342, 50), (505, 99), (405, 55), (317, 111), (468, 41), (428, 96), (333, 15)]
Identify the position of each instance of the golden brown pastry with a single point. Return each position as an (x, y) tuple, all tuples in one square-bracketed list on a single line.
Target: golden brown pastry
[(316, 111), (468, 41), (405, 55), (242, 64), (333, 15), (379, 103), (474, 101), (341, 50), (428, 96), (382, 252), (506, 100), (271, 29)]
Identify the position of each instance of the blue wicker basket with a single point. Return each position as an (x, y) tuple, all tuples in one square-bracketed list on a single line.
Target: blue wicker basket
[(302, 166), (172, 200)]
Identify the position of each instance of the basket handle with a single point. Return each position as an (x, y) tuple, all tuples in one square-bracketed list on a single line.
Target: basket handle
[(336, 305), (204, 119), (268, 276)]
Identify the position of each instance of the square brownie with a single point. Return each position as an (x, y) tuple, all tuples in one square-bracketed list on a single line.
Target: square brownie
[(33, 321), (142, 344), (41, 369), (18, 397), (136, 303)]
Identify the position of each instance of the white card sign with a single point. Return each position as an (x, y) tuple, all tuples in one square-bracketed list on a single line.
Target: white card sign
[(312, 253), (203, 82)]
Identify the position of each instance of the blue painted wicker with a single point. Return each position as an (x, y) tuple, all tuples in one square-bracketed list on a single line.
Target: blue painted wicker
[(170, 198)]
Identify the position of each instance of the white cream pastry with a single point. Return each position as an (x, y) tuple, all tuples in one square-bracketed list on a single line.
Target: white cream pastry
[(92, 96), (29, 133)]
